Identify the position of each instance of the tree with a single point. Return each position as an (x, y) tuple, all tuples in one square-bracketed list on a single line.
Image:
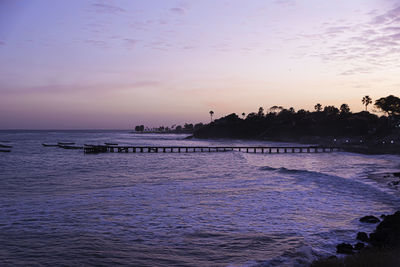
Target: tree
[(139, 128), (331, 110), (260, 112), (198, 126), (211, 114), (344, 108), (366, 101), (188, 127), (243, 115), (275, 109), (389, 104), (318, 107)]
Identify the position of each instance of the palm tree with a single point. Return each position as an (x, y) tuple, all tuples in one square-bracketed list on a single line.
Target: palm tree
[(366, 101), (243, 115), (211, 114)]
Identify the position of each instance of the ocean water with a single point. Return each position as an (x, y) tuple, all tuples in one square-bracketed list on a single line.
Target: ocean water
[(62, 207)]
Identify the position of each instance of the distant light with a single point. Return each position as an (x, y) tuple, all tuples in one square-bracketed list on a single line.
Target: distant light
[(383, 142), (347, 141), (392, 141), (334, 140), (361, 141)]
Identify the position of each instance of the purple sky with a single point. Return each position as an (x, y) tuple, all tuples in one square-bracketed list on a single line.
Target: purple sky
[(113, 64)]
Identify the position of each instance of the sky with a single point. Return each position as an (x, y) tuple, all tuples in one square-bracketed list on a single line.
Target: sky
[(103, 64)]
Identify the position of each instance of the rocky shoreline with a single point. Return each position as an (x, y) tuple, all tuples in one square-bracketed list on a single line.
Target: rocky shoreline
[(379, 248)]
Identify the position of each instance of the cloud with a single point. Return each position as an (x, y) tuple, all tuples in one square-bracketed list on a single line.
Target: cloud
[(285, 2), (97, 43), (389, 17), (189, 47), (366, 47), (102, 7), (159, 45), (337, 30), (2, 43), (178, 10), (130, 43), (357, 70), (51, 89)]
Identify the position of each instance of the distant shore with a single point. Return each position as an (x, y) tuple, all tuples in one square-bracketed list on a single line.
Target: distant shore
[(346, 144)]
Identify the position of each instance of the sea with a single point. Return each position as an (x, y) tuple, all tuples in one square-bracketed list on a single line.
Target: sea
[(62, 207)]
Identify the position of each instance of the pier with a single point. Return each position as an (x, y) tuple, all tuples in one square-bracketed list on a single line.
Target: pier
[(95, 149)]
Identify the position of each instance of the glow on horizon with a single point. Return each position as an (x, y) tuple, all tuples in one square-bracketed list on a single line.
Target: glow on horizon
[(113, 64)]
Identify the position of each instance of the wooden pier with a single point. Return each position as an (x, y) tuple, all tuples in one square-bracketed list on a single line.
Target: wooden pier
[(95, 149)]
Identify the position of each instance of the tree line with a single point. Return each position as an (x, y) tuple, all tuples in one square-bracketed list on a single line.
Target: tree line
[(186, 128), (282, 123)]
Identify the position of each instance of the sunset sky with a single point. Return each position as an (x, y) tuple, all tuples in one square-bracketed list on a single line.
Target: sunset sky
[(114, 64)]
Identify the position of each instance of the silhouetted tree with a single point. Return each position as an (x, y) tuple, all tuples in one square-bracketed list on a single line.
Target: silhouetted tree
[(389, 104), (318, 107), (251, 115), (366, 100), (243, 115), (291, 110), (331, 110), (188, 127), (198, 126), (275, 109), (139, 128), (344, 108), (211, 114), (260, 112)]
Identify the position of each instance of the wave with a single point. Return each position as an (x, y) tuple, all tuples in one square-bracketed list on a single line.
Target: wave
[(289, 171), (344, 184), (302, 256)]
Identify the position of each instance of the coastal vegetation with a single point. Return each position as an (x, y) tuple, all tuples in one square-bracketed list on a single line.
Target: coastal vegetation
[(187, 128), (322, 124)]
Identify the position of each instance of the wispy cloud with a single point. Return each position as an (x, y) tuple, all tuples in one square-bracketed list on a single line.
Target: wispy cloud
[(51, 89), (130, 43), (362, 47), (106, 7), (285, 2), (389, 17), (2, 43), (98, 43), (178, 10)]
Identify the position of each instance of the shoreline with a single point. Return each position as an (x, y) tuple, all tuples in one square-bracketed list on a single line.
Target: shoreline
[(367, 148), (381, 247), (376, 249)]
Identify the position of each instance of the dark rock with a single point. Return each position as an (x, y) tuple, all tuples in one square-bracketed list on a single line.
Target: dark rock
[(383, 216), (344, 248), (362, 236), (393, 183), (387, 233), (359, 246), (369, 219), (396, 174)]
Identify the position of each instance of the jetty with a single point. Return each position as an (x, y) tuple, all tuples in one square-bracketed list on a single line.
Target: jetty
[(95, 149)]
